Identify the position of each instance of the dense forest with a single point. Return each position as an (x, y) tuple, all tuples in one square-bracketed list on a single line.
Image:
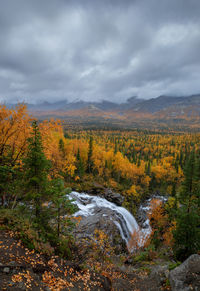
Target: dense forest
[(40, 162)]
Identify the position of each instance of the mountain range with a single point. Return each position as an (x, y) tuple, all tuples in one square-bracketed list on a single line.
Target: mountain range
[(163, 111)]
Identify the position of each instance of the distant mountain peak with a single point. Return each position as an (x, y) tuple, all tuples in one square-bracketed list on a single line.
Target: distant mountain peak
[(165, 106)]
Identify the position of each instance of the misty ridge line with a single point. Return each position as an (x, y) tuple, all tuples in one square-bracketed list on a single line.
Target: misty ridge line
[(133, 103)]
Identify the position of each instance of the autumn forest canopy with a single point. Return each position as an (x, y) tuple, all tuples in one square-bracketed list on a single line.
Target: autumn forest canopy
[(42, 161)]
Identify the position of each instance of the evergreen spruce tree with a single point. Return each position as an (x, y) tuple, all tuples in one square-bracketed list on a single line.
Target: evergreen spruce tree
[(196, 182), (115, 149), (187, 232), (78, 156), (189, 172), (148, 168), (133, 156), (139, 161), (181, 158), (173, 193), (36, 169), (80, 165), (61, 206), (90, 152), (62, 147), (6, 174)]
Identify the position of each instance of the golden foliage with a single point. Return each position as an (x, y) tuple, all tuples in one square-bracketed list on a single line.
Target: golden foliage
[(14, 131)]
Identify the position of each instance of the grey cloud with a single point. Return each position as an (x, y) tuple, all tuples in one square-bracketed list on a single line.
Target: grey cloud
[(51, 50)]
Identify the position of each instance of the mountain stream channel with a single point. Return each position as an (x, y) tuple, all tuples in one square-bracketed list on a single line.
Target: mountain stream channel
[(98, 213)]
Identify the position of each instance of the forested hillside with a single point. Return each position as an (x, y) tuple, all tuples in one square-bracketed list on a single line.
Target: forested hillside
[(41, 162)]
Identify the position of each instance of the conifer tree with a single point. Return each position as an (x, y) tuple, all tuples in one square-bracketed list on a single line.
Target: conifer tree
[(115, 149), (196, 182), (36, 169), (148, 168), (62, 205), (189, 172), (62, 147), (6, 173), (78, 157), (90, 152), (187, 232), (173, 193), (80, 165)]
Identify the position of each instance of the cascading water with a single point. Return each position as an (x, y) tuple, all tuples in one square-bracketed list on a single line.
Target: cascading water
[(122, 218)]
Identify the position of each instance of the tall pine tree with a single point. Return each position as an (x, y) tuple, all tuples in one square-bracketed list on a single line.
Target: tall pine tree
[(80, 165), (90, 152), (36, 170), (187, 232)]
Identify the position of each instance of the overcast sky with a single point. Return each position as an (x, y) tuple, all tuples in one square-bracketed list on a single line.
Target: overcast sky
[(98, 49)]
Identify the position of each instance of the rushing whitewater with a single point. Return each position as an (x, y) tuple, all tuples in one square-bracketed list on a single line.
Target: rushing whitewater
[(122, 218)]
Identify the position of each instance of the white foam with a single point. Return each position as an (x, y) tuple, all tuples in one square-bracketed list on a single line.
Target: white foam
[(126, 222)]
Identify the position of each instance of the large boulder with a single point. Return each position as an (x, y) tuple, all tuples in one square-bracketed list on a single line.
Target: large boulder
[(103, 219), (186, 276), (95, 189), (113, 197), (159, 274), (106, 193), (141, 215)]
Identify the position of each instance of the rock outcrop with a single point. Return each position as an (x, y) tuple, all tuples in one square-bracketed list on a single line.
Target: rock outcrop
[(144, 209), (160, 274), (103, 219), (186, 277), (106, 193), (97, 213), (113, 197)]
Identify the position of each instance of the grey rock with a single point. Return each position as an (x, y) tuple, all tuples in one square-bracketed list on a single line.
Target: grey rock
[(96, 190), (141, 217), (113, 197), (106, 193), (15, 271), (122, 285), (142, 212), (160, 274), (104, 216), (21, 286), (186, 276), (6, 270), (103, 219)]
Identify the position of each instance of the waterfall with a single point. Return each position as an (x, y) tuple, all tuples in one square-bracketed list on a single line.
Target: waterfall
[(123, 219)]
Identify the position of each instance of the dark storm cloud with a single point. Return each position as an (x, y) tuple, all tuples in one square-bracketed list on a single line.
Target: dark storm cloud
[(91, 50)]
